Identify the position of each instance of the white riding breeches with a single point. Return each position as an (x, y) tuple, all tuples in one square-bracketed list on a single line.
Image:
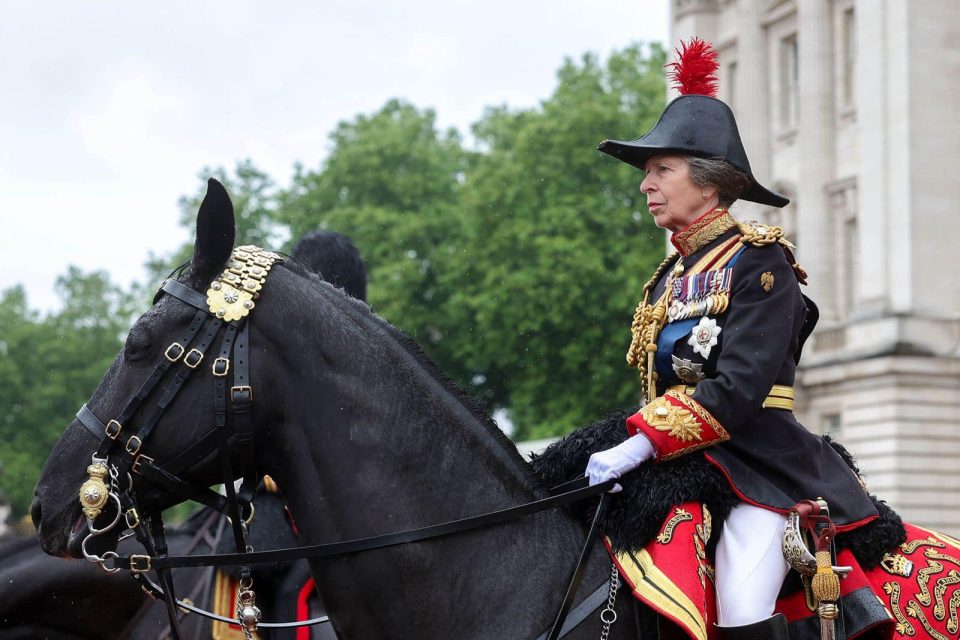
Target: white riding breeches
[(750, 567)]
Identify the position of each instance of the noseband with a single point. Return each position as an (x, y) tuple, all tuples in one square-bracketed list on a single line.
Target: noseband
[(222, 312)]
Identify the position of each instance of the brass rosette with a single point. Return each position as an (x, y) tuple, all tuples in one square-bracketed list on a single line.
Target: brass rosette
[(231, 296), (94, 491)]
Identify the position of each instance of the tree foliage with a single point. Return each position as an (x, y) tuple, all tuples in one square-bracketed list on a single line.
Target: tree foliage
[(392, 182), (556, 247), (49, 367)]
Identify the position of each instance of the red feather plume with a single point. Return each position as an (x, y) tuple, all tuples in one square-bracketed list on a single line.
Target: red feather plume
[(694, 71)]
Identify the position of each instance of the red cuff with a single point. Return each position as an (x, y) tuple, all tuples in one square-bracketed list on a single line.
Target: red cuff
[(676, 424)]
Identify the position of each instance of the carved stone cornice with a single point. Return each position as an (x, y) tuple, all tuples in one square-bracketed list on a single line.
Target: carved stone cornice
[(682, 8)]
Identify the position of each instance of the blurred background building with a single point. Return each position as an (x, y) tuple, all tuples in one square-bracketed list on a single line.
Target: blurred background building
[(848, 107)]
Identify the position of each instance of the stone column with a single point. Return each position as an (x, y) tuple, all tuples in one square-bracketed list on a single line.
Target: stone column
[(815, 236), (692, 18), (752, 108)]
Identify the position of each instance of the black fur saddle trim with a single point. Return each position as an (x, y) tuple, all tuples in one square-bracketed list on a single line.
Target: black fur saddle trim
[(652, 490)]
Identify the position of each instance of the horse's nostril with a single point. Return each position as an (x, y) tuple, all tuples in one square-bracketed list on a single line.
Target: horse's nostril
[(35, 513)]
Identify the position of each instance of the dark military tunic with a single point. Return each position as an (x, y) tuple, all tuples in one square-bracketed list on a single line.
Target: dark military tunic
[(717, 363)]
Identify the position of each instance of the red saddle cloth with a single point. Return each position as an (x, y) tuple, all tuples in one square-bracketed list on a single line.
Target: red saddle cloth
[(915, 593)]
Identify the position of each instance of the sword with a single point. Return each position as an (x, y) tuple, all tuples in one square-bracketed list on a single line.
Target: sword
[(828, 612), (824, 577)]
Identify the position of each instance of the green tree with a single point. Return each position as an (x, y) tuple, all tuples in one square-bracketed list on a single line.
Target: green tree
[(391, 182), (49, 366), (557, 247)]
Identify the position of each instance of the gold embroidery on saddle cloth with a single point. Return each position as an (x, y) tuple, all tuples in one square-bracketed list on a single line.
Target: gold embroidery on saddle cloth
[(231, 296), (904, 628), (700, 537), (910, 547), (932, 583), (679, 515), (896, 564), (655, 587)]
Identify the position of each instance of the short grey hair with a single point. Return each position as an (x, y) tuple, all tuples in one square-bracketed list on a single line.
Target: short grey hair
[(717, 172)]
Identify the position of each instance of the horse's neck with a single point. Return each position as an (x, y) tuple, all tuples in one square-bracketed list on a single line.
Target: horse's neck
[(378, 447), (391, 446)]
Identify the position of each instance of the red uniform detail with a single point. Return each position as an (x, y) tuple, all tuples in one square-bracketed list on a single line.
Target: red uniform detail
[(676, 424)]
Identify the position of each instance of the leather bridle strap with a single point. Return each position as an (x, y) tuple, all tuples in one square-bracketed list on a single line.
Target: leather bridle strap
[(241, 399), (581, 565), (363, 544), (171, 355), (562, 623), (149, 470), (191, 361), (184, 293)]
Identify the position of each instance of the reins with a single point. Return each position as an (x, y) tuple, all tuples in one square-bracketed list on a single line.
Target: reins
[(224, 310), (141, 563)]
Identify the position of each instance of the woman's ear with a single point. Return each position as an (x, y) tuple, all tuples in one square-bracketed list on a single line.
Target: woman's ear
[(216, 230)]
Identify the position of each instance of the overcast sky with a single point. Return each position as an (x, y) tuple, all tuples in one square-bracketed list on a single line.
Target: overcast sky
[(109, 109)]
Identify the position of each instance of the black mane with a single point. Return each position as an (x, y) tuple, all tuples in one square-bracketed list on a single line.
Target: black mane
[(362, 311)]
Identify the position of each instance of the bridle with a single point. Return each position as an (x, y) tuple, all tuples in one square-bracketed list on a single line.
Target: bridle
[(223, 312)]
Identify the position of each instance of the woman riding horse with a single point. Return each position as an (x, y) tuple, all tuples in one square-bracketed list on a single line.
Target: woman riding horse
[(716, 339)]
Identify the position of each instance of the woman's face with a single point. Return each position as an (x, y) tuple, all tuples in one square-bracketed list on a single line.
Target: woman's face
[(672, 197)]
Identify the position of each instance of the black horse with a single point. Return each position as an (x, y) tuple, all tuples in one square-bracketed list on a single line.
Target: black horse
[(366, 437)]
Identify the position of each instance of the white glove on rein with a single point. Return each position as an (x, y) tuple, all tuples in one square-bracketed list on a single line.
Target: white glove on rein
[(615, 462)]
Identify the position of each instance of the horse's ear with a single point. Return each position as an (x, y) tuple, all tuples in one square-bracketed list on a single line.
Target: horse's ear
[(216, 229)]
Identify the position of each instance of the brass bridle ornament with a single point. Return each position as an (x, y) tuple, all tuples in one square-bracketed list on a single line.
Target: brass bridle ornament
[(225, 308)]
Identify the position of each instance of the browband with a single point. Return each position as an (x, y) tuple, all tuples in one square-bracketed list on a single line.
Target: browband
[(186, 294)]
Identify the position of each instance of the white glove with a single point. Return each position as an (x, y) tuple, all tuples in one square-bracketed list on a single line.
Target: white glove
[(613, 463)]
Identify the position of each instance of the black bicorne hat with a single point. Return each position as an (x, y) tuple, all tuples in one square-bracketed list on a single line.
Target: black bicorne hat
[(696, 125)]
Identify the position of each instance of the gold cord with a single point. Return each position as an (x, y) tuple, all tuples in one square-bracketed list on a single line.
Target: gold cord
[(648, 320)]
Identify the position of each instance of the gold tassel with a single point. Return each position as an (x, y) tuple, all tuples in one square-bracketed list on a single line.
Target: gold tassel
[(826, 584)]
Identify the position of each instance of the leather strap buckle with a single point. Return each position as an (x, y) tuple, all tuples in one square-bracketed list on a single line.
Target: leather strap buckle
[(133, 447), (113, 429), (136, 462), (139, 564), (174, 351), (193, 358), (132, 518), (236, 391), (221, 366)]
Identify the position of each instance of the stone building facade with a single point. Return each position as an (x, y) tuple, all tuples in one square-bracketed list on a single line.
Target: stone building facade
[(848, 107)]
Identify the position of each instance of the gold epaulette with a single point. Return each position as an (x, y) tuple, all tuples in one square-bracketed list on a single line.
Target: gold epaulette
[(761, 235)]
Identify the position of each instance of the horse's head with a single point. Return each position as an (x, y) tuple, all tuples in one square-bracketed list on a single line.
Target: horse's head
[(157, 400)]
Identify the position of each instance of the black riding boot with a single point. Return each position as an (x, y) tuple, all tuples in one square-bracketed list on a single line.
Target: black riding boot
[(774, 628)]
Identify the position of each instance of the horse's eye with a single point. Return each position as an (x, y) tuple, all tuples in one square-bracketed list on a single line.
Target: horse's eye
[(137, 344)]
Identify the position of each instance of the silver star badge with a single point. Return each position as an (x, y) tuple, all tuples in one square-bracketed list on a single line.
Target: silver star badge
[(687, 370)]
